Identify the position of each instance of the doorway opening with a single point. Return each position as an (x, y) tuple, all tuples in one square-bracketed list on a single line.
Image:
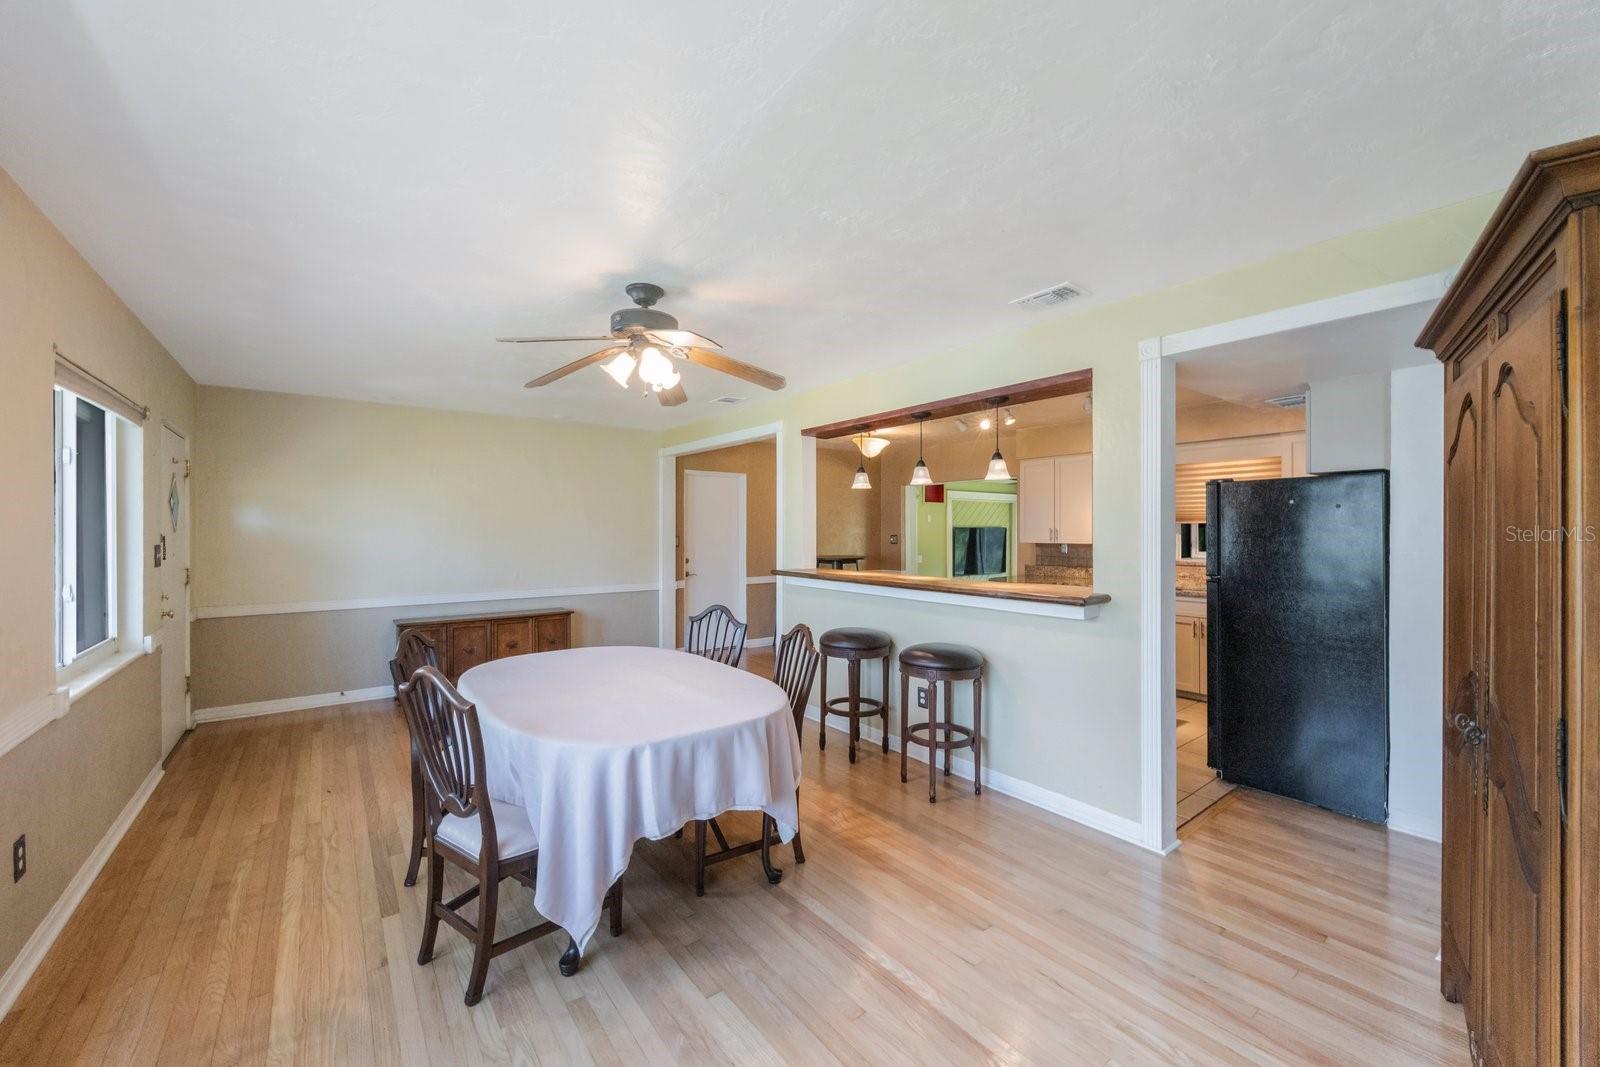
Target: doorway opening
[(722, 532), (1354, 357)]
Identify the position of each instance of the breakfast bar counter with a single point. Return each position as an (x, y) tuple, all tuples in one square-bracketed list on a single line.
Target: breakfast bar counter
[(1035, 598)]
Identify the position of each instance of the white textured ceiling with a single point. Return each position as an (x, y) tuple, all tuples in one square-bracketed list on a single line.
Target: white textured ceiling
[(352, 199)]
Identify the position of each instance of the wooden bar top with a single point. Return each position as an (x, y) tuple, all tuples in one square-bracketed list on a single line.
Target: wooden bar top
[(1038, 592)]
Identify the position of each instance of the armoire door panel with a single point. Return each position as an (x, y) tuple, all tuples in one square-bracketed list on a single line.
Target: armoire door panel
[(1463, 648), (1516, 974)]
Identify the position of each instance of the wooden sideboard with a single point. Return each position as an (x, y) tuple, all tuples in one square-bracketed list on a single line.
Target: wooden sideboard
[(464, 641)]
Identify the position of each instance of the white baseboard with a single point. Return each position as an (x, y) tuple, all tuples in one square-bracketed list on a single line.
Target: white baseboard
[(276, 707), (1094, 818), (1427, 829), (44, 935), (759, 642)]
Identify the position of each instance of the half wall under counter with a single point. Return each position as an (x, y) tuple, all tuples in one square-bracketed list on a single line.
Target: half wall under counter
[(1026, 598)]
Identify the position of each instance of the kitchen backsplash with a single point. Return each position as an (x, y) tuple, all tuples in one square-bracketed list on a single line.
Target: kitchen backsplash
[(1058, 564), (1191, 578)]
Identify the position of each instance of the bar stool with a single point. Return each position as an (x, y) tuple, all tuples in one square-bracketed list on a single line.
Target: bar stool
[(854, 645), (935, 663)]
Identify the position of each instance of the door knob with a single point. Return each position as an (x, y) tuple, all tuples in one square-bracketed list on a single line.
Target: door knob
[(169, 614)]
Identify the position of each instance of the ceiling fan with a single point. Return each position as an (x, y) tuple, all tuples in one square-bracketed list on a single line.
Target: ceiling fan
[(645, 340)]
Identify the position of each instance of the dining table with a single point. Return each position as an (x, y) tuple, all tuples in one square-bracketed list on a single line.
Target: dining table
[(606, 746)]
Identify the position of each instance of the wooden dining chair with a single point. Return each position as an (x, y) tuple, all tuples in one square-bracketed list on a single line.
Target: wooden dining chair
[(794, 669), (716, 635), (492, 840), (415, 650)]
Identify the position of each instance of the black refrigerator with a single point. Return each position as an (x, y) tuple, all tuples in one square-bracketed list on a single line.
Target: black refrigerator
[(1297, 645)]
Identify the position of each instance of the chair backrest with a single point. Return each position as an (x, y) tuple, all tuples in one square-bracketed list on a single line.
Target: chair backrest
[(444, 728), (416, 649), (795, 668), (716, 635)]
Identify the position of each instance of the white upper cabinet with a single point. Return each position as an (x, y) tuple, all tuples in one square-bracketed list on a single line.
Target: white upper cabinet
[(1055, 496)]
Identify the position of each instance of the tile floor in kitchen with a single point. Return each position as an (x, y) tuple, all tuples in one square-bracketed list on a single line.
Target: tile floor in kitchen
[(1198, 785)]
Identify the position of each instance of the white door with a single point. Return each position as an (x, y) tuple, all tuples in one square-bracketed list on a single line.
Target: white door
[(713, 542), (1036, 501), (1075, 500), (173, 620)]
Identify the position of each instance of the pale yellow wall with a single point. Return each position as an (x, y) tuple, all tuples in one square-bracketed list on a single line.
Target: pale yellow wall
[(65, 785), (307, 499), (757, 461), (1071, 713)]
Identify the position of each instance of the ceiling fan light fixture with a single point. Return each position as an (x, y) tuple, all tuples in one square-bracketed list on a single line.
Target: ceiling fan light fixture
[(621, 368), (656, 370)]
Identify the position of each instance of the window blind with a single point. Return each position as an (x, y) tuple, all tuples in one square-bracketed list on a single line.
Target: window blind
[(1192, 479), (75, 379)]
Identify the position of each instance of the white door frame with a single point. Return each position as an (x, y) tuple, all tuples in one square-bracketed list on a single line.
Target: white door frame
[(910, 498), (667, 519), (185, 609), (740, 606), (1158, 772)]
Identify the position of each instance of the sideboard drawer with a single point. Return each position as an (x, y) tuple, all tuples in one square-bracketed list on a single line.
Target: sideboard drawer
[(513, 637)]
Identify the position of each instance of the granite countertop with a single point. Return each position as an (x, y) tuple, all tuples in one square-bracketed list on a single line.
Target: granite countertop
[(1024, 589), (1191, 577)]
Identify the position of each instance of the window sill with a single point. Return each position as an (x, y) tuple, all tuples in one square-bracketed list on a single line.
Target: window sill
[(83, 684)]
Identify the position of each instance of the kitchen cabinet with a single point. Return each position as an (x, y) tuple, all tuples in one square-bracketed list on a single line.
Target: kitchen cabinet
[(1191, 652), (1055, 500)]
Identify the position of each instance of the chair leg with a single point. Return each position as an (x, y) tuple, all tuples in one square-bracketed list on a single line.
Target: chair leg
[(977, 736), (933, 741), (905, 723), (949, 719), (418, 820), (855, 706), (483, 950), (774, 875), (700, 858), (616, 908), (886, 704), (430, 921), (799, 849), (822, 709)]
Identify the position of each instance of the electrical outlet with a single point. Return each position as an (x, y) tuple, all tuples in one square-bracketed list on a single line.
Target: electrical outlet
[(19, 858), (922, 696)]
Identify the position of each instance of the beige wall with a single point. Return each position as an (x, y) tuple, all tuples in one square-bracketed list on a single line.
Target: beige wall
[(64, 786), (305, 502), (757, 461), (1222, 420), (848, 520)]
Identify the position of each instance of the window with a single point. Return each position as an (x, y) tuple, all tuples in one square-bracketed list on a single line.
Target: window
[(86, 528)]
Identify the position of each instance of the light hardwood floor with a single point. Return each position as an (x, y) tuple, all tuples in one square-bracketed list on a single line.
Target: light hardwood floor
[(254, 912)]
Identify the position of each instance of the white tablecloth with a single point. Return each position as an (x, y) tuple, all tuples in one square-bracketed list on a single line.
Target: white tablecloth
[(605, 746)]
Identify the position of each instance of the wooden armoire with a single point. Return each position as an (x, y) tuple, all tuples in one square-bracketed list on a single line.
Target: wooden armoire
[(1519, 335)]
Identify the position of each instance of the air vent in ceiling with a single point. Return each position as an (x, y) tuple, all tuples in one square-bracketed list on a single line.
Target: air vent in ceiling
[(1288, 400), (1056, 294), (729, 400)]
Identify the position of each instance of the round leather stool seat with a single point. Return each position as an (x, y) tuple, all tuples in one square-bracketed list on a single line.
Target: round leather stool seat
[(855, 639), (936, 656)]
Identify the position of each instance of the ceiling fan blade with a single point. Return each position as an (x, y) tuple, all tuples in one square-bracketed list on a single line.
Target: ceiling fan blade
[(671, 398), (541, 340), (570, 368), (682, 338), (739, 369)]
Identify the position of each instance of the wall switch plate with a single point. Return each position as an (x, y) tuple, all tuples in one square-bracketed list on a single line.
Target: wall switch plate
[(922, 696), (894, 539), (19, 858)]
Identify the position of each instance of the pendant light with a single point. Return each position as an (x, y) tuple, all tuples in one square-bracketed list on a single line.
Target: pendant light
[(919, 473), (861, 481), (998, 472)]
